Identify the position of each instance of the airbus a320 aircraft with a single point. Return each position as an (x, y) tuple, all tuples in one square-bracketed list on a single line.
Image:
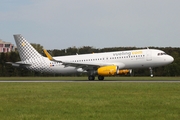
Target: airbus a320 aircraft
[(96, 64)]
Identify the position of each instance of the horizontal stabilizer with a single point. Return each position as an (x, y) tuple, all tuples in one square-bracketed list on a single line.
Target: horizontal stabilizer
[(18, 64)]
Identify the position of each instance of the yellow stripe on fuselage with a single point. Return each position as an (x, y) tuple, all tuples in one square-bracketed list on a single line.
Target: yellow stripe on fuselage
[(137, 52)]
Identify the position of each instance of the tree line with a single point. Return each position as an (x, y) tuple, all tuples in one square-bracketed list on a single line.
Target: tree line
[(172, 69)]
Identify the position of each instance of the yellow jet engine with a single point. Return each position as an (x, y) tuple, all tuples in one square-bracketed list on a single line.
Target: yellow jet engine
[(112, 70)]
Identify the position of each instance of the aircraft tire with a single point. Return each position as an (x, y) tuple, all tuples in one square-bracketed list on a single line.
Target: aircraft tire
[(91, 77), (100, 77)]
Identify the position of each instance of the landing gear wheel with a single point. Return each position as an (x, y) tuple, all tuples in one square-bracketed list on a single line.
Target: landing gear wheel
[(91, 77), (100, 77), (151, 72)]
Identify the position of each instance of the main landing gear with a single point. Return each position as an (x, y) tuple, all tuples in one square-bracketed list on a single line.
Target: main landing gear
[(92, 77), (151, 72), (100, 77)]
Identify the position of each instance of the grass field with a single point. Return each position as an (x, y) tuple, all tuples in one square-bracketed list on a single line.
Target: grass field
[(87, 101)]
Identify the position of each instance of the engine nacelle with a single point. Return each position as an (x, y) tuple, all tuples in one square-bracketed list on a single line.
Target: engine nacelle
[(125, 71), (112, 70), (108, 70)]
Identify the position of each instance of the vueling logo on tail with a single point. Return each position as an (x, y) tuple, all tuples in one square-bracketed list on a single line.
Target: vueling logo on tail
[(23, 44)]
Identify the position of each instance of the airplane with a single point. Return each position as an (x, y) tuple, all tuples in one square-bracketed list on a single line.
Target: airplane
[(95, 64)]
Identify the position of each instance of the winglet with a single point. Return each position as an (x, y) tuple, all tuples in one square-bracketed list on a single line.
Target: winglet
[(48, 55)]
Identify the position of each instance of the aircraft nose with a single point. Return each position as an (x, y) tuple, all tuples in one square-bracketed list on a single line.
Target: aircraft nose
[(170, 59)]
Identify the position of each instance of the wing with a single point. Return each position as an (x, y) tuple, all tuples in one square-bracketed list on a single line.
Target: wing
[(85, 66)]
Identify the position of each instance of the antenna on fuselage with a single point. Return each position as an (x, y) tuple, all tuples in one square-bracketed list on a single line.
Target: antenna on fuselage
[(77, 51)]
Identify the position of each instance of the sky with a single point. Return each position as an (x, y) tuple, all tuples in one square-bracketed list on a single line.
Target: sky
[(59, 24)]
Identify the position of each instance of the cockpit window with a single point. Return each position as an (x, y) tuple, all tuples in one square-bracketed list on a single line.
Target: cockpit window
[(161, 54)]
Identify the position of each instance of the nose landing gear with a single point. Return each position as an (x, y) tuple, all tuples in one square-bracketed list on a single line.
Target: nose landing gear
[(151, 72)]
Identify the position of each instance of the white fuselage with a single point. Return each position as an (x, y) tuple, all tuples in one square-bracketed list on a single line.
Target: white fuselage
[(143, 58)]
